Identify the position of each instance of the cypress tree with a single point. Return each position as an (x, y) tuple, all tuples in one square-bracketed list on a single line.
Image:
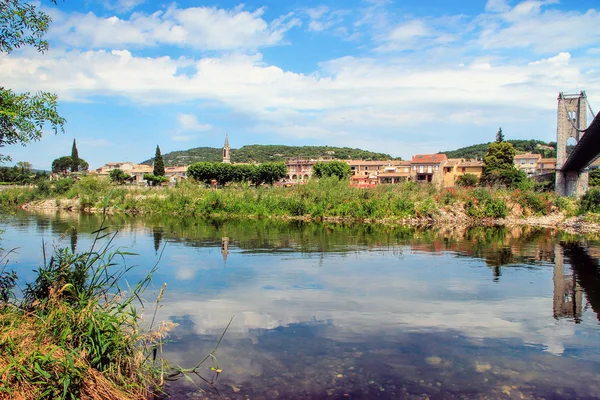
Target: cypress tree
[(159, 164), (74, 158)]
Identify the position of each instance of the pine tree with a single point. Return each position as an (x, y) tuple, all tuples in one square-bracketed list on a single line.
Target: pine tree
[(499, 136), (74, 158), (159, 164)]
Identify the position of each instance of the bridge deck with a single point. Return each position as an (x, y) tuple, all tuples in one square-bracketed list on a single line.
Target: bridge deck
[(587, 150)]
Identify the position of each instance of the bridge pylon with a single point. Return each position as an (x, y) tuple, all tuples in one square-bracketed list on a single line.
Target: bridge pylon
[(571, 119)]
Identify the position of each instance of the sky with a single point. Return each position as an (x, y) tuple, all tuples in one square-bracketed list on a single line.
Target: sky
[(400, 77)]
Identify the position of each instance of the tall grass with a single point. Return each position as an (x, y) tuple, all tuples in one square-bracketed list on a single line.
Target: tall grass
[(74, 333)]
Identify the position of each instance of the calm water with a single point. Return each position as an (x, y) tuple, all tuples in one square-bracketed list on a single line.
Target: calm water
[(329, 311)]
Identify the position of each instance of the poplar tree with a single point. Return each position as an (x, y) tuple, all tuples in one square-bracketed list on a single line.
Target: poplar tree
[(159, 164)]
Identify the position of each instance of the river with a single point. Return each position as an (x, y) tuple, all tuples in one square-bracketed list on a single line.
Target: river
[(356, 311)]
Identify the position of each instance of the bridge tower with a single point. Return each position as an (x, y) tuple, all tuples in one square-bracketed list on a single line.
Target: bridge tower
[(572, 113)]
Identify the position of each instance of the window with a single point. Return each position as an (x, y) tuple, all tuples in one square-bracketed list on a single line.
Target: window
[(530, 162), (420, 168), (366, 168), (437, 167), (522, 162)]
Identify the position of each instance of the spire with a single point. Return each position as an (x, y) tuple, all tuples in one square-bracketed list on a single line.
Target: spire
[(226, 151)]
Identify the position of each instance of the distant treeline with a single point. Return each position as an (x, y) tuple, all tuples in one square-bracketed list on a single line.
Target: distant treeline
[(18, 175), (266, 153), (478, 151), (221, 173)]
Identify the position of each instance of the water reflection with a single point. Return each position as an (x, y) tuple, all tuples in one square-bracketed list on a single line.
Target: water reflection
[(326, 310)]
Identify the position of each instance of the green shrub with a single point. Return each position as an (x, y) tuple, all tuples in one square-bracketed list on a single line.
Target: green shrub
[(63, 185), (590, 202), (467, 180), (42, 188)]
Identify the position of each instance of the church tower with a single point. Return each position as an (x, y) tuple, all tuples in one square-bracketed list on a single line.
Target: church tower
[(226, 151)]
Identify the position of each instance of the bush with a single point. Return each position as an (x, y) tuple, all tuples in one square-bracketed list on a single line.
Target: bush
[(467, 180), (590, 202), (42, 188), (63, 185)]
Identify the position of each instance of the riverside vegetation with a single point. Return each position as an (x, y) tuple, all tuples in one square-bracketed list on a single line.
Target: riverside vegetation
[(327, 198), (76, 333)]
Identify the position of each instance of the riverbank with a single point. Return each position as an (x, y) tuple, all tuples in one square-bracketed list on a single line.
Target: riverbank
[(325, 200)]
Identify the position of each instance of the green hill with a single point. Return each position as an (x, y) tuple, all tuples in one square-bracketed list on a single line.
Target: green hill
[(264, 153), (478, 151)]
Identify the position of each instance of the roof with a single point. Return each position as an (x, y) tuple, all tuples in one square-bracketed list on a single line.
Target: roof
[(471, 164), (428, 158), (394, 174), (453, 161), (397, 163), (527, 155), (547, 161), (364, 162)]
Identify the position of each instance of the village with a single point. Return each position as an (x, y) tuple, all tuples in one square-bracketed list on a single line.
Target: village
[(437, 169)]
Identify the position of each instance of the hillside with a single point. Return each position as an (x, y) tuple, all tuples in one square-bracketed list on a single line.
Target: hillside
[(265, 153), (478, 151)]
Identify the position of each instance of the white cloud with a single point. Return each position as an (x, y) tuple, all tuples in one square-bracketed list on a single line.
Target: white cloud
[(189, 122), (122, 5), (497, 6), (322, 18), (204, 28)]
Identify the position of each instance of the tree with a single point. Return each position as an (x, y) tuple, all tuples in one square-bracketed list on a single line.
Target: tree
[(339, 169), (23, 116), (270, 172), (499, 167), (467, 180), (65, 164), (24, 166), (155, 180), (202, 172), (499, 136), (74, 157), (159, 164), (118, 176)]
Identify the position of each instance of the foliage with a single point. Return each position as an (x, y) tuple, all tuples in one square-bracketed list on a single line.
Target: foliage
[(65, 164), (74, 158), (467, 180), (339, 169), (159, 165), (118, 176), (499, 166), (266, 153), (270, 172), (482, 204), (63, 185), (590, 202), (75, 333), (594, 179), (478, 151), (20, 174), (499, 136), (155, 180), (23, 116)]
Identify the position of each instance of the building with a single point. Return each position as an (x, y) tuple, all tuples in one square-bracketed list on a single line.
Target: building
[(226, 151), (136, 171), (300, 169), (176, 173), (428, 168), (394, 172), (545, 166), (367, 168), (527, 162), (457, 167)]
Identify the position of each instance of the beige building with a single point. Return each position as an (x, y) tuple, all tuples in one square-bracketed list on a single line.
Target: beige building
[(176, 173), (300, 169), (527, 162), (136, 171), (456, 167), (545, 166), (428, 168), (395, 172)]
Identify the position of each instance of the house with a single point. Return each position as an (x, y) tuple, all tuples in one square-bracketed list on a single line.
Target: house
[(428, 168), (527, 162), (367, 168), (363, 181), (394, 172), (300, 169), (176, 173), (545, 166), (136, 171)]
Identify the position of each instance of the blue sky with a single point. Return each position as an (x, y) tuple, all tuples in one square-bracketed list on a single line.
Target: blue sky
[(398, 77)]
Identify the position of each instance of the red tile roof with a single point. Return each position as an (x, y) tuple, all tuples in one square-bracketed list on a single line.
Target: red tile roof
[(428, 158)]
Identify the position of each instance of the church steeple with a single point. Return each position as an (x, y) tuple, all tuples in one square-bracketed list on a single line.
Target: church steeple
[(226, 150)]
